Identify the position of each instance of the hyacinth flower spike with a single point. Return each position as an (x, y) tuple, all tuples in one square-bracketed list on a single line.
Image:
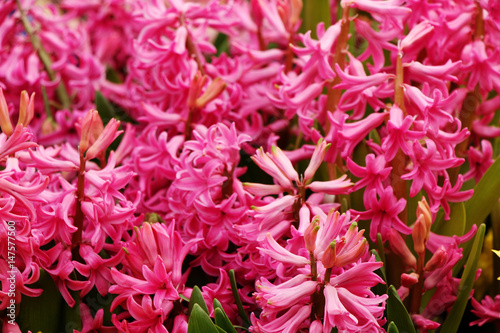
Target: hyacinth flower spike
[(278, 165)]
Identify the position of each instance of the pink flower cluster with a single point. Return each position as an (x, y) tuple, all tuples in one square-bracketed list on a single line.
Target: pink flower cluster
[(226, 139)]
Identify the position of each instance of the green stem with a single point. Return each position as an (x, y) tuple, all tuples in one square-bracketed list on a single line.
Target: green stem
[(44, 57), (234, 289), (46, 104)]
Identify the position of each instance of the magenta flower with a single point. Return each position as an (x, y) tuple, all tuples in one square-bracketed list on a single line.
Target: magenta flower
[(487, 311), (479, 62), (334, 271), (399, 135), (383, 213), (372, 175)]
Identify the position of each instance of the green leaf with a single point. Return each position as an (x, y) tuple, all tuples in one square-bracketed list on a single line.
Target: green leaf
[(197, 298), (313, 12), (217, 304), (397, 312), (70, 319), (223, 321), (456, 224), (104, 107), (486, 195), (221, 43), (234, 289), (200, 322), (452, 321), (392, 328), (377, 258), (38, 313), (219, 329)]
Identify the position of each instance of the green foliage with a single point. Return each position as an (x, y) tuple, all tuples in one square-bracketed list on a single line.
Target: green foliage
[(313, 12), (104, 107), (392, 328), (37, 318), (486, 195), (456, 225), (466, 282), (397, 313), (197, 298), (199, 321), (223, 321), (234, 289)]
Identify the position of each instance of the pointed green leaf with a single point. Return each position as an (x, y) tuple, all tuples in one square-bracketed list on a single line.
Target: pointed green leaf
[(104, 107), (217, 304), (452, 321), (223, 321), (456, 224), (392, 328), (197, 298), (486, 195), (397, 312), (200, 322)]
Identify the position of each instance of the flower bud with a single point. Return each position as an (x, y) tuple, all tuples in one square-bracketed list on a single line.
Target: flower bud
[(310, 235), (424, 209), (419, 235), (399, 247), (352, 255), (91, 128), (215, 88), (316, 159), (330, 255), (5, 122), (107, 136), (26, 108), (422, 227), (408, 280), (437, 260)]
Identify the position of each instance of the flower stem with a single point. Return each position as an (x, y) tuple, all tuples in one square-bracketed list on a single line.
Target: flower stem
[(399, 97), (44, 57), (334, 94), (191, 48), (314, 267), (467, 115), (399, 162), (78, 220), (234, 289), (416, 290), (289, 54), (479, 28), (46, 104)]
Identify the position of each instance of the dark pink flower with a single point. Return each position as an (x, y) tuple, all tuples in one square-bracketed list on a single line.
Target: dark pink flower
[(487, 311)]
